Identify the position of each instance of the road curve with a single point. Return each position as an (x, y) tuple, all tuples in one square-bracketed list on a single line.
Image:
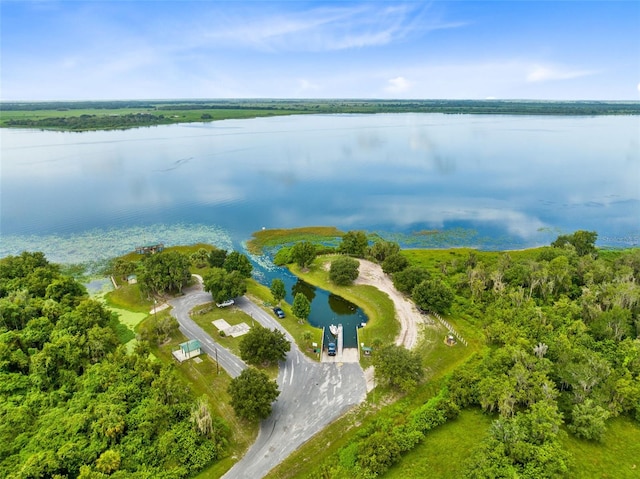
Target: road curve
[(312, 395), (193, 297)]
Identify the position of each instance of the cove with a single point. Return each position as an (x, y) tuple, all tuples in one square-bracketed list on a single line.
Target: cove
[(326, 308)]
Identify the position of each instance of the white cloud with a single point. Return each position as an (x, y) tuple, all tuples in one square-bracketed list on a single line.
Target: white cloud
[(398, 85), (541, 73)]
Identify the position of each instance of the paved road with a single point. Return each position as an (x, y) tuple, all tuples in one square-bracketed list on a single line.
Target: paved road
[(181, 307), (312, 395)]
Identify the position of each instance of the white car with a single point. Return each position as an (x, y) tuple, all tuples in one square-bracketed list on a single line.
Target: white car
[(226, 303)]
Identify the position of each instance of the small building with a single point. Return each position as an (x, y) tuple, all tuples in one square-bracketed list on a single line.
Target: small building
[(188, 350), (132, 279), (451, 340), (150, 249)]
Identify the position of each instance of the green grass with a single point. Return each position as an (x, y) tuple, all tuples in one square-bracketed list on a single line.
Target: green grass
[(444, 451), (278, 237), (617, 456)]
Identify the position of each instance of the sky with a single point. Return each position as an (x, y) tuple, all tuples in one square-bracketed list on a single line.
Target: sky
[(101, 50)]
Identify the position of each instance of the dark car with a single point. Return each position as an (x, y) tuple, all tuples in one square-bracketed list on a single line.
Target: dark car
[(279, 312)]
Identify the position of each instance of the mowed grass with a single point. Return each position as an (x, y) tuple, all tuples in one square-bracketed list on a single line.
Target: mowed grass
[(617, 456), (444, 451)]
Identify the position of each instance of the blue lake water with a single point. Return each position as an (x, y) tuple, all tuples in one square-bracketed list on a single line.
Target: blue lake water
[(488, 181)]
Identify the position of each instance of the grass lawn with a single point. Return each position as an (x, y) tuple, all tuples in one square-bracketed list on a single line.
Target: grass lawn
[(444, 451), (617, 456)]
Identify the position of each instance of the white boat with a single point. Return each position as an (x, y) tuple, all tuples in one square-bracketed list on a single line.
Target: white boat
[(333, 329)]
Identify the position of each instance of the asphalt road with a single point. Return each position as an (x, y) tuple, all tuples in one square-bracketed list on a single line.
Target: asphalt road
[(194, 296), (312, 395)]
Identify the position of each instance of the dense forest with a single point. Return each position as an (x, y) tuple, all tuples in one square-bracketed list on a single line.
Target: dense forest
[(560, 357), (74, 402), (99, 115)]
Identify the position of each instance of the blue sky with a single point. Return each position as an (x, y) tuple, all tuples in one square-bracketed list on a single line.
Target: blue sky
[(73, 50)]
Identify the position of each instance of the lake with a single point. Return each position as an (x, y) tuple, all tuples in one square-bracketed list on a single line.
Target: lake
[(486, 181)]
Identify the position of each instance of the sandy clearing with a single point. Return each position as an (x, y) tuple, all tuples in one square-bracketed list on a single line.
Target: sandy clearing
[(406, 312)]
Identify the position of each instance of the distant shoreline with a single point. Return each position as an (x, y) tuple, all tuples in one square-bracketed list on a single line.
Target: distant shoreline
[(126, 114)]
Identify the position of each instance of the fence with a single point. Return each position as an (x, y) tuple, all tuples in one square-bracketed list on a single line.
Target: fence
[(446, 324)]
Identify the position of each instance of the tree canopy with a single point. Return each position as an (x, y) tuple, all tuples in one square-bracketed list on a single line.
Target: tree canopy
[(239, 262), (278, 291), (301, 307), (262, 346), (224, 285), (344, 271), (398, 367), (166, 272), (354, 243), (303, 253), (252, 394)]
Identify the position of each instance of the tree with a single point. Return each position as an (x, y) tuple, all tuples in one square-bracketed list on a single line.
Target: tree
[(165, 272), (217, 257), (264, 346), (398, 367), (409, 278), (278, 290), (200, 258), (394, 263), (344, 271), (301, 307), (588, 420), (382, 249), (121, 268), (303, 253), (238, 262), (354, 243), (252, 394), (223, 285), (583, 241), (433, 295)]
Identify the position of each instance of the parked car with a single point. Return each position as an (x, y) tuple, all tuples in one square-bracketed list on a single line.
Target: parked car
[(224, 304), (278, 311), (331, 349)]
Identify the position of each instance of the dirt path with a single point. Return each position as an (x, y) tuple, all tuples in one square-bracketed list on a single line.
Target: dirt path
[(406, 312)]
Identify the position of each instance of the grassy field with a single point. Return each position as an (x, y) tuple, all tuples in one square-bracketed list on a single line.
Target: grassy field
[(444, 451)]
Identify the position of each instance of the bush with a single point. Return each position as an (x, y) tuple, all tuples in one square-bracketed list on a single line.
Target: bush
[(344, 271)]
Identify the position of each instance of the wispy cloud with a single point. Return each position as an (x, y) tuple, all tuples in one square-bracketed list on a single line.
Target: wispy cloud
[(542, 73), (330, 28)]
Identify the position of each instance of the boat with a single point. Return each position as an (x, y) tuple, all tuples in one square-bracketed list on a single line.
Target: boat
[(333, 329)]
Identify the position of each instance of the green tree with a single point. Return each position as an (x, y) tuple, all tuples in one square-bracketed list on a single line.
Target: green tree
[(166, 272), (217, 257), (200, 258), (264, 346), (398, 367), (394, 263), (433, 295), (344, 271), (252, 394), (121, 268), (382, 249), (354, 243), (238, 262), (278, 291), (584, 242), (223, 285), (588, 420), (303, 253), (409, 278), (301, 307)]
